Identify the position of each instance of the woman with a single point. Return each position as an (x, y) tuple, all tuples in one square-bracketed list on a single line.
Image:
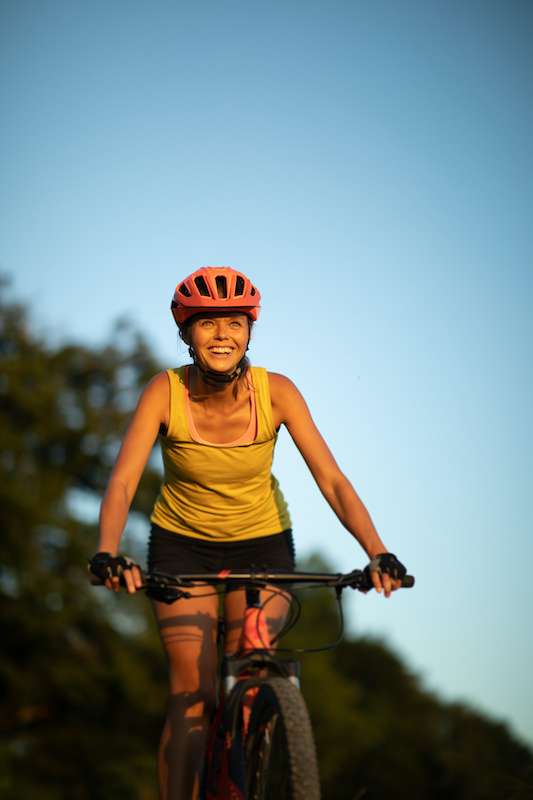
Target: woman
[(219, 505)]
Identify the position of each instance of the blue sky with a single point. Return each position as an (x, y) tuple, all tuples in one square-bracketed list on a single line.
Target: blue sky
[(369, 165)]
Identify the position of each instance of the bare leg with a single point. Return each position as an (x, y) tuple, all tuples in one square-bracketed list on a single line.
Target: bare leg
[(188, 632)]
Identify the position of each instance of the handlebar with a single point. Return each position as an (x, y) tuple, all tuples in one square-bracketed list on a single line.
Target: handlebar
[(168, 588), (160, 582)]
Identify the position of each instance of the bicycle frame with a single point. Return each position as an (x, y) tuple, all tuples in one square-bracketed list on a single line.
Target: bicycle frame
[(255, 651), (255, 671)]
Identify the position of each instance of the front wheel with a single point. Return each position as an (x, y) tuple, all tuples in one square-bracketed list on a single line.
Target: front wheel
[(279, 749)]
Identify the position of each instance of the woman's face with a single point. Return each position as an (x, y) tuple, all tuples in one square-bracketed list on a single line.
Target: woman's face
[(220, 341)]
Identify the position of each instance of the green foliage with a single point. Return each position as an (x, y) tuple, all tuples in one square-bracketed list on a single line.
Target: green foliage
[(82, 673), (379, 734), (82, 701)]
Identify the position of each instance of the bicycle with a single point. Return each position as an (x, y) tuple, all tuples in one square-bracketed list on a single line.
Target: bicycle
[(260, 744)]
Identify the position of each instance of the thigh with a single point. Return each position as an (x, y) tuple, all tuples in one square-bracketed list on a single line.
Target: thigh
[(275, 603), (188, 629)]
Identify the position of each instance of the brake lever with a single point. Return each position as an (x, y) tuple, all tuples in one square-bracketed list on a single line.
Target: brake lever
[(165, 594), (360, 580)]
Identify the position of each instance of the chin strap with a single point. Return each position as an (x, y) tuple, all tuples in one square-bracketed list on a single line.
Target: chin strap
[(217, 378)]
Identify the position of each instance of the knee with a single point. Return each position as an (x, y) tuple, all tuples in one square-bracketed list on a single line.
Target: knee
[(191, 683), (192, 707)]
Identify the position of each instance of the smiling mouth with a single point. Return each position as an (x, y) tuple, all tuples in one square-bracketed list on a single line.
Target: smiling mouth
[(221, 351)]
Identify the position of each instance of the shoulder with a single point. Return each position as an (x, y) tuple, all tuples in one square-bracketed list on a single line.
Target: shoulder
[(153, 408), (287, 401), (155, 394), (281, 385), (162, 380), (277, 380), (157, 384)]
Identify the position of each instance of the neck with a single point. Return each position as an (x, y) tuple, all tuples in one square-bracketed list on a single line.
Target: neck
[(202, 388), (216, 379)]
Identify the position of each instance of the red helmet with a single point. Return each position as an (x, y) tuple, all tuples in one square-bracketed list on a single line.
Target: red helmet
[(214, 289)]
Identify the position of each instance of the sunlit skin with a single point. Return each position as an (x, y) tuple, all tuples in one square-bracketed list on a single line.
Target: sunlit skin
[(221, 413), (220, 341)]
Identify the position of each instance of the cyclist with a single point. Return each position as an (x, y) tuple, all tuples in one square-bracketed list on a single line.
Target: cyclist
[(219, 505)]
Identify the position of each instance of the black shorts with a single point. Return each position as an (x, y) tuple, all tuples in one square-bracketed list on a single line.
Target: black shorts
[(173, 553)]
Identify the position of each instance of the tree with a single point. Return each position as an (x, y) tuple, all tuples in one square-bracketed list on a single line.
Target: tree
[(82, 673), (379, 734), (83, 697)]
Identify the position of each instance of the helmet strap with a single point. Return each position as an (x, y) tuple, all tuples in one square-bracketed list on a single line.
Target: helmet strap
[(218, 378)]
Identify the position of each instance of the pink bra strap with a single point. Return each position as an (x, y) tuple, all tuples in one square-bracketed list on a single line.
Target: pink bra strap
[(247, 437)]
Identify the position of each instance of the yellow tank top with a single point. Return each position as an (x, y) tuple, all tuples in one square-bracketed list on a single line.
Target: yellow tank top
[(220, 492)]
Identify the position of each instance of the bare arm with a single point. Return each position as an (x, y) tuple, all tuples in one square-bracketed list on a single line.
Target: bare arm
[(151, 412), (289, 408)]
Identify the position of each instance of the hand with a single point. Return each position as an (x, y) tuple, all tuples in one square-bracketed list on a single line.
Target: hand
[(111, 570), (385, 572)]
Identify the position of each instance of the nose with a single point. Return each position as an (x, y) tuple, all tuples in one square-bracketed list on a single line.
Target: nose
[(220, 329)]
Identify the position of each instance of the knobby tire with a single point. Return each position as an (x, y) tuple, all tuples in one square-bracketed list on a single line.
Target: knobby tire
[(280, 751)]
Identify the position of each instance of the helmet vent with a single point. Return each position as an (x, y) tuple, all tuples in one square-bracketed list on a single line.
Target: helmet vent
[(201, 285), (239, 286), (222, 285), (217, 288)]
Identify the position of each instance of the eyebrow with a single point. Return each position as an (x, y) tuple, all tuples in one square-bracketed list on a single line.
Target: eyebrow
[(221, 316)]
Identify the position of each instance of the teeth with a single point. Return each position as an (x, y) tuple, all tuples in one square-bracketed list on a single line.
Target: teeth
[(221, 350)]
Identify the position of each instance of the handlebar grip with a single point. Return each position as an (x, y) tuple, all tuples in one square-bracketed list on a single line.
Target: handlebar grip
[(94, 580), (408, 581)]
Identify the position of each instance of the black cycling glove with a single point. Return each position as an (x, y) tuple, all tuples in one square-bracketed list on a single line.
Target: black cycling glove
[(106, 566), (386, 564)]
